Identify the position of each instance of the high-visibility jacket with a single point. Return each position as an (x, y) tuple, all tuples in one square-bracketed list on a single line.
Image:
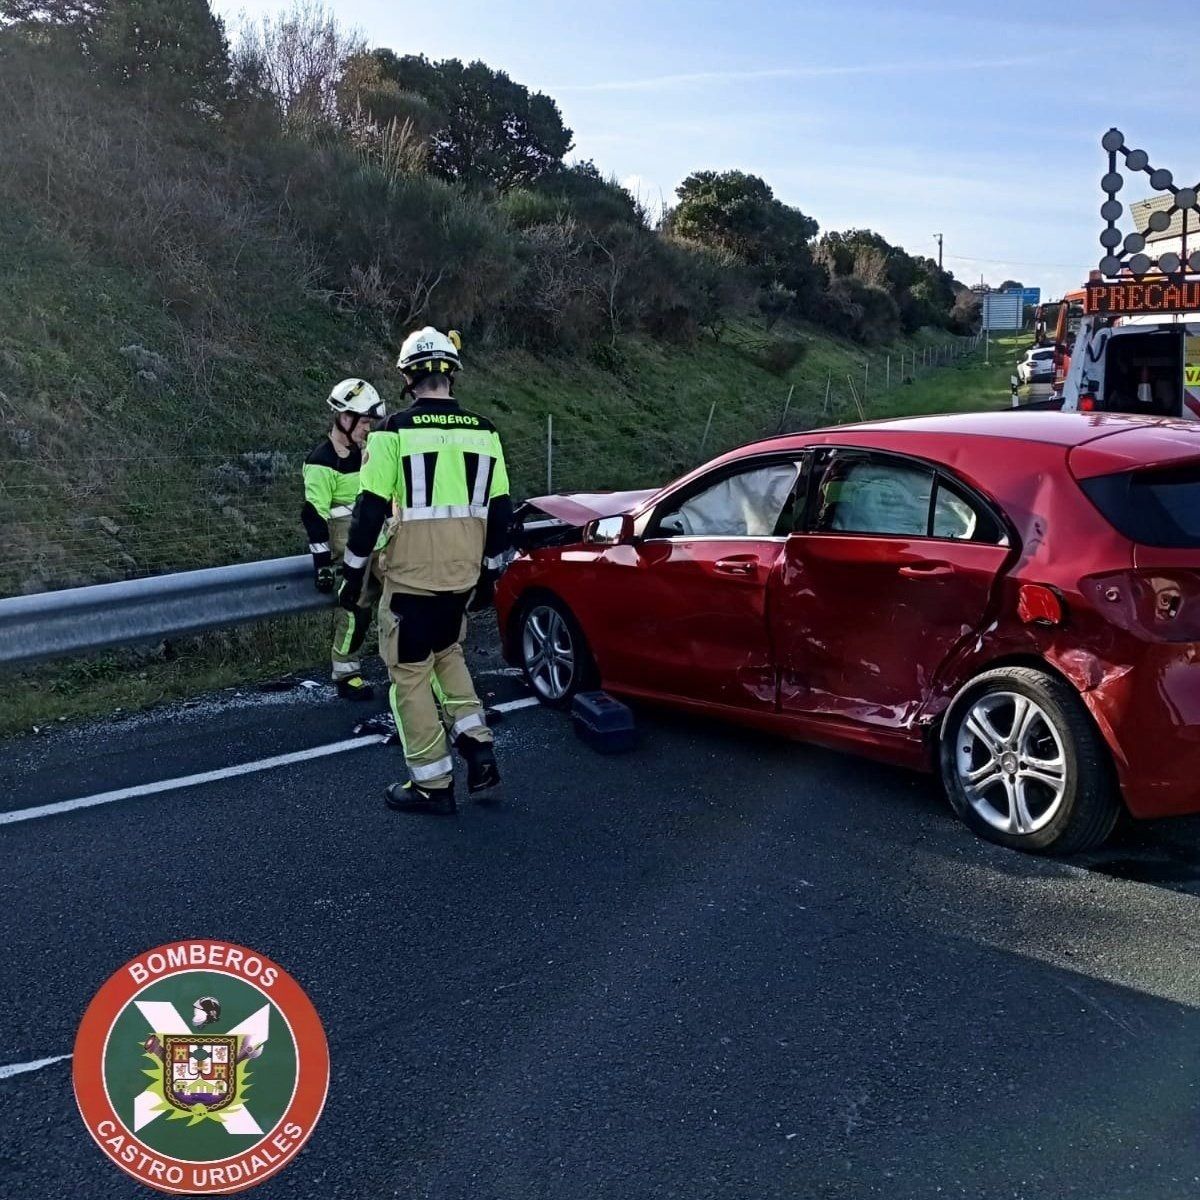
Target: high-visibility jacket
[(330, 489), (440, 471)]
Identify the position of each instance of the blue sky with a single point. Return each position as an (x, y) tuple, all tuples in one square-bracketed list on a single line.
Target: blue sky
[(981, 121)]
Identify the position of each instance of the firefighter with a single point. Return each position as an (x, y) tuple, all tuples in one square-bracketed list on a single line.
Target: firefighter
[(443, 470), (331, 475)]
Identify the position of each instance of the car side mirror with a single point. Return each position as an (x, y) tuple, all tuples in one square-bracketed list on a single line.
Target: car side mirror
[(609, 531)]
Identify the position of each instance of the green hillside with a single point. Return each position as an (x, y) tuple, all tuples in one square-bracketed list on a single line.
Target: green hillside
[(191, 254), (118, 461), (137, 678)]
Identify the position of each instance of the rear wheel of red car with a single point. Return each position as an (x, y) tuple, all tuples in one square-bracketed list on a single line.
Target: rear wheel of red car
[(1024, 765), (554, 652)]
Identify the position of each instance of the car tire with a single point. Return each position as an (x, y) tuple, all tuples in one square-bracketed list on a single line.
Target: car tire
[(553, 651), (1025, 766)]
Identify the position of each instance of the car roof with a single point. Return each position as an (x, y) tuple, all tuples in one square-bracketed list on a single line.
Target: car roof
[(1056, 428)]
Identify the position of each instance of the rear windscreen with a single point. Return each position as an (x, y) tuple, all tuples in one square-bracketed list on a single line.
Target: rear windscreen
[(1155, 508)]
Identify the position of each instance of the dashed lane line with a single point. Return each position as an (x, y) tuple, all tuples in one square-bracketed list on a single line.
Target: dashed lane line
[(36, 1065), (188, 781)]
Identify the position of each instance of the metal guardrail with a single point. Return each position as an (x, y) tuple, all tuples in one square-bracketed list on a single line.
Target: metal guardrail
[(79, 620)]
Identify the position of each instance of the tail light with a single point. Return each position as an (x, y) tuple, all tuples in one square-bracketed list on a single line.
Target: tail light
[(1155, 604)]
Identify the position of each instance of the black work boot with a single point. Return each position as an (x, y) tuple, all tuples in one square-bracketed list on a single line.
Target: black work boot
[(412, 797), (482, 771), (355, 687)]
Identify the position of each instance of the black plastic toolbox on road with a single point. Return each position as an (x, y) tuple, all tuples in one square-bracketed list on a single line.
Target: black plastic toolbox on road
[(604, 723)]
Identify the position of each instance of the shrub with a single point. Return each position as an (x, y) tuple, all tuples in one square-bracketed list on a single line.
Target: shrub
[(780, 355), (436, 253), (862, 312), (552, 305), (526, 208)]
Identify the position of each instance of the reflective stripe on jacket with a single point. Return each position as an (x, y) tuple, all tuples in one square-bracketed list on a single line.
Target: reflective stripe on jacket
[(443, 470)]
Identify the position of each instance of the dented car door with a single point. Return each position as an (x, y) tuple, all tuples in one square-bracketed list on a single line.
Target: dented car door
[(893, 569)]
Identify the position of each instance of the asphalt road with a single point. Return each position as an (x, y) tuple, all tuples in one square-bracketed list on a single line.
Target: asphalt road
[(719, 966)]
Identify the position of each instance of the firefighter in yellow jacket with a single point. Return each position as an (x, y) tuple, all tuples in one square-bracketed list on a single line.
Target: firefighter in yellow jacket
[(331, 479), (441, 470)]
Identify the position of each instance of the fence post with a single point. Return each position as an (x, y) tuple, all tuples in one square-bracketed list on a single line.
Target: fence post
[(862, 416), (887, 375), (708, 425), (786, 405), (828, 385), (549, 452), (866, 376)]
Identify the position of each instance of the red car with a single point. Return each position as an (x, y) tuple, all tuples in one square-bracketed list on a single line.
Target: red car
[(1012, 600)]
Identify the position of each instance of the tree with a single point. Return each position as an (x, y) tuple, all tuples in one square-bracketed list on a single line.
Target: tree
[(922, 291), (1012, 285), (494, 132), (591, 198), (168, 48), (297, 58), (365, 92), (76, 15), (737, 212), (964, 316)]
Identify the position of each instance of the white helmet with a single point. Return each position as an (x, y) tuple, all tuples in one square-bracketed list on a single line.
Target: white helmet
[(430, 350), (356, 396)]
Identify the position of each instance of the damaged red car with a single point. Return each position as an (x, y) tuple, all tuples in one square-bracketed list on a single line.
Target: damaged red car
[(1011, 600)]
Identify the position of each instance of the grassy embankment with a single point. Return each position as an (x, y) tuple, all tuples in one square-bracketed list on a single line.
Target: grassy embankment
[(634, 418)]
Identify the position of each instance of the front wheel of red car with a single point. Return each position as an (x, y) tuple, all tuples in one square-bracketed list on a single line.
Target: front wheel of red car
[(1024, 765), (554, 653)]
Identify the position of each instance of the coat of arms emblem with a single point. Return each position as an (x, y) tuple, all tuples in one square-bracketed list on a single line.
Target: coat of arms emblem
[(199, 1070)]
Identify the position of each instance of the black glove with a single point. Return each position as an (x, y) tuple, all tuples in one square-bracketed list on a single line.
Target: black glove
[(323, 576), (351, 589), (484, 593)]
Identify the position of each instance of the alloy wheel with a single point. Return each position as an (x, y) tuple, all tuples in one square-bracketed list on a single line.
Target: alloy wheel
[(548, 651), (1011, 762)]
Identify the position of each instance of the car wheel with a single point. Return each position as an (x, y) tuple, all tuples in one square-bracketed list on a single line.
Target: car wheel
[(1024, 765), (554, 653)]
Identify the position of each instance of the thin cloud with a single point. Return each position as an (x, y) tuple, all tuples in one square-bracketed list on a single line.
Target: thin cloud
[(664, 82)]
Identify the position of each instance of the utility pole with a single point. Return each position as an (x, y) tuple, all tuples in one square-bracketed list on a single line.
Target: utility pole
[(939, 242)]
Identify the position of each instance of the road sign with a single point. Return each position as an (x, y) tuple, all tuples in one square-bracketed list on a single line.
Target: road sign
[(1029, 296), (1002, 310)]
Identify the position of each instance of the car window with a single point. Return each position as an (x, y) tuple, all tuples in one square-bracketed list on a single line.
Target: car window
[(754, 503), (861, 493), (1156, 507), (879, 494)]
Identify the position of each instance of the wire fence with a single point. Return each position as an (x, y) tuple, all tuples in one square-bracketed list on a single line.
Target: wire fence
[(115, 517)]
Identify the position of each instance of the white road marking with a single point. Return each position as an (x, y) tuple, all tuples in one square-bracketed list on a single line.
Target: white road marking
[(187, 781), (36, 1065)]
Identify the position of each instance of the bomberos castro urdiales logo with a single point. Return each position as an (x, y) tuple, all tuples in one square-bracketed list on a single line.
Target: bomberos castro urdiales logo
[(201, 1068)]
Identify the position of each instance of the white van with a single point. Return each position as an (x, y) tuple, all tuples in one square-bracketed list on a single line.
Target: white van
[(1141, 363)]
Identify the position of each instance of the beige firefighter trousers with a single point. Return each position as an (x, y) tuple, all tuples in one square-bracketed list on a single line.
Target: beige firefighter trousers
[(350, 628), (432, 695)]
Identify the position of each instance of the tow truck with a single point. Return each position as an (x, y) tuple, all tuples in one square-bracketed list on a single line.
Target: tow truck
[(1137, 349)]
